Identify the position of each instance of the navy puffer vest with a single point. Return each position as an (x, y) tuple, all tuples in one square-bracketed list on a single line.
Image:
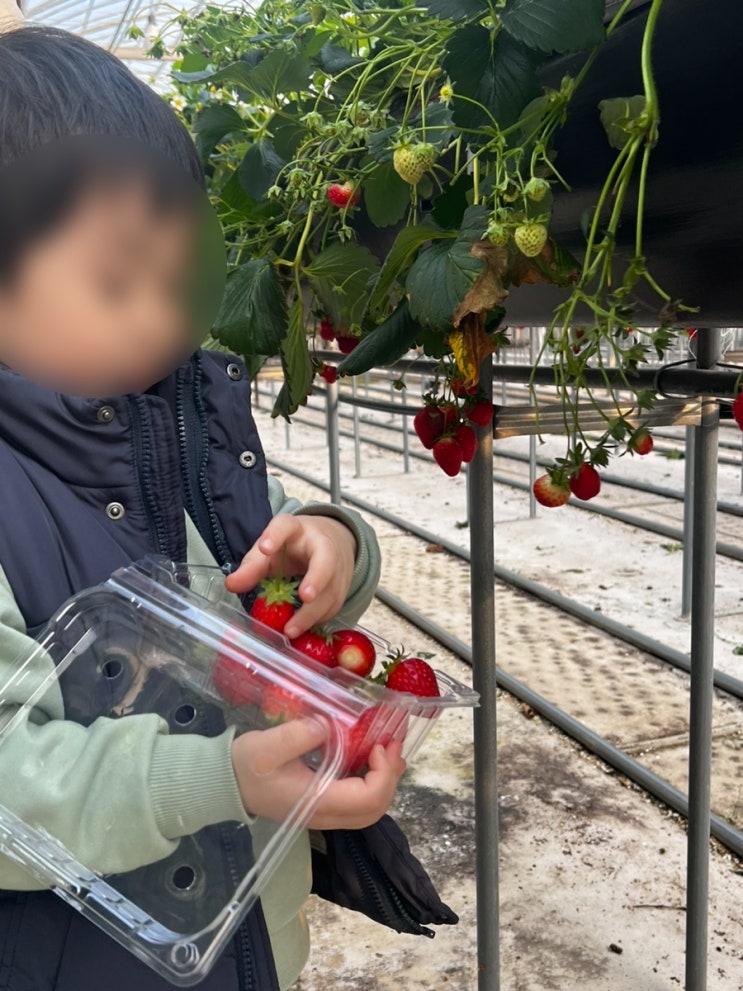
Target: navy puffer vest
[(85, 488)]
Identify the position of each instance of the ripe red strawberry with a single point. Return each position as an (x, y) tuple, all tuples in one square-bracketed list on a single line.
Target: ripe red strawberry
[(448, 455), (381, 724), (738, 410), (343, 194), (450, 415), (467, 441), (551, 492), (355, 652), (327, 330), (280, 702), (276, 602), (480, 413), (586, 484), (641, 442), (413, 675), (460, 390), (426, 427), (236, 677), (329, 373), (346, 344), (317, 645)]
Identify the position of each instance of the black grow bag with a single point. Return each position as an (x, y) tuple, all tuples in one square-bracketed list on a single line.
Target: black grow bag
[(694, 207)]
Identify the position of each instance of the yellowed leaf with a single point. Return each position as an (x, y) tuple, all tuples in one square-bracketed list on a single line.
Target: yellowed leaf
[(488, 290), (471, 346)]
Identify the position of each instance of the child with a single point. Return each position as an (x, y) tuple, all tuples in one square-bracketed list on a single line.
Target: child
[(87, 298)]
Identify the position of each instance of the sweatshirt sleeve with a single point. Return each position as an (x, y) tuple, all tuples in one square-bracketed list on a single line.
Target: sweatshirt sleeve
[(368, 557), (117, 794)]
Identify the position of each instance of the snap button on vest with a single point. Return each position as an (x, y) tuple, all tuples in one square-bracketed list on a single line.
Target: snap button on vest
[(247, 459), (234, 371), (115, 511), (106, 414)]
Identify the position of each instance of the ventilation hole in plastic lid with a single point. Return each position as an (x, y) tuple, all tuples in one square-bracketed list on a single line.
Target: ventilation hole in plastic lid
[(184, 955), (113, 668), (184, 714), (183, 877)]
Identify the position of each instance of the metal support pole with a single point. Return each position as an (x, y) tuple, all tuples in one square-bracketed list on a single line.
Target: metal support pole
[(482, 589), (688, 538), (356, 434), (532, 437), (334, 454), (504, 384), (702, 674), (287, 435), (405, 445)]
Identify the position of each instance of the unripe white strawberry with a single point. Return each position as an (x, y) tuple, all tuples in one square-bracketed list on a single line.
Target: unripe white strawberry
[(530, 239)]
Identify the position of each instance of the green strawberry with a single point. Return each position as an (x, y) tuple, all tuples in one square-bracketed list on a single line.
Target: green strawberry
[(536, 189), (412, 161), (530, 239), (497, 234)]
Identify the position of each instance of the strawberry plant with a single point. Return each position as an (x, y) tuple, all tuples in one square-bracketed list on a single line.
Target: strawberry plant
[(385, 174)]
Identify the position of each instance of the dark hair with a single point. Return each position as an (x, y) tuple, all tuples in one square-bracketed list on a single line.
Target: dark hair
[(72, 116), (54, 85)]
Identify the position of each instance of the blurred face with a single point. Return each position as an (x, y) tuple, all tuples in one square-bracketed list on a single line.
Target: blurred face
[(97, 305)]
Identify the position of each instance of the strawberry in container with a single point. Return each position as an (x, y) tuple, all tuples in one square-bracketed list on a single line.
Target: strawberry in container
[(373, 695)]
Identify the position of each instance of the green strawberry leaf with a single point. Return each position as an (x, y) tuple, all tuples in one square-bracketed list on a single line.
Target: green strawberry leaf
[(439, 280), (252, 318), (278, 72), (259, 168), (385, 344), (295, 360), (340, 275), (498, 75), (399, 259), (617, 116), (386, 196), (433, 342), (287, 135), (213, 124), (456, 10), (334, 59), (555, 25)]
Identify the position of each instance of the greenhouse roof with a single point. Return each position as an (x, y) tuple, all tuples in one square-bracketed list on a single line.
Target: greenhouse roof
[(107, 23)]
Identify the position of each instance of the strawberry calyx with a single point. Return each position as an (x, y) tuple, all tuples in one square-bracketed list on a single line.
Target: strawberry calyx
[(278, 590), (394, 659)]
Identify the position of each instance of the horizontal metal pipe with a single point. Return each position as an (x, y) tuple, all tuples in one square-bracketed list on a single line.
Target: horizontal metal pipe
[(676, 658), (682, 380), (616, 758)]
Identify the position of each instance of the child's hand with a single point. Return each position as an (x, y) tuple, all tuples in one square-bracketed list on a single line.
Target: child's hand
[(318, 547), (272, 777)]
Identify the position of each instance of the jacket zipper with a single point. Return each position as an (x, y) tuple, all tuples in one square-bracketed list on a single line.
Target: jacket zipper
[(193, 439), (143, 462), (245, 971), (373, 885)]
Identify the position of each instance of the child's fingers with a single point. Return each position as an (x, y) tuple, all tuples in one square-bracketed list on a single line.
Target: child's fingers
[(320, 598), (387, 760), (282, 744), (257, 562)]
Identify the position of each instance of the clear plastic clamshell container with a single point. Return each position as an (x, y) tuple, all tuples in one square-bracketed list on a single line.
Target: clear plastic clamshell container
[(168, 639)]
